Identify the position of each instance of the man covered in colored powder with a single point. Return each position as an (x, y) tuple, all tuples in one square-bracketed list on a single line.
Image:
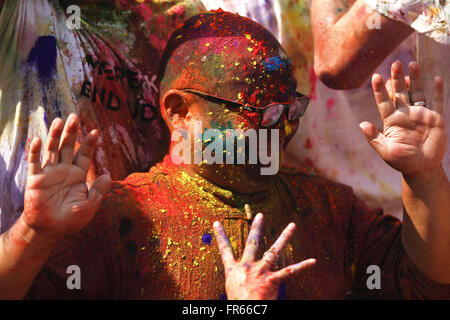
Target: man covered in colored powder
[(151, 237)]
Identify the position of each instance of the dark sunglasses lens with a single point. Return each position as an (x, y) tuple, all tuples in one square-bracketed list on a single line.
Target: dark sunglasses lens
[(272, 115), (297, 109)]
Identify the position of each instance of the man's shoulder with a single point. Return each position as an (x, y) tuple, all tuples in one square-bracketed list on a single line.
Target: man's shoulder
[(138, 181), (309, 179), (141, 193), (317, 197)]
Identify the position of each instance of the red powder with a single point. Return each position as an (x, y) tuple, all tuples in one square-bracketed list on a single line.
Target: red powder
[(330, 104), (313, 79), (145, 12), (307, 144), (308, 163)]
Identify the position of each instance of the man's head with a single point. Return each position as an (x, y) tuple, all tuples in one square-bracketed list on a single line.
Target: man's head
[(231, 58)]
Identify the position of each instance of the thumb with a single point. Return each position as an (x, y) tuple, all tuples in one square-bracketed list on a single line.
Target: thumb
[(375, 138)]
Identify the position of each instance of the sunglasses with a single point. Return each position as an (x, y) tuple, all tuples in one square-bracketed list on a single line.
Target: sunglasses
[(270, 114)]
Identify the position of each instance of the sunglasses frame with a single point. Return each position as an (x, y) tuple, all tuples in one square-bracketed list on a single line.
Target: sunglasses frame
[(251, 108)]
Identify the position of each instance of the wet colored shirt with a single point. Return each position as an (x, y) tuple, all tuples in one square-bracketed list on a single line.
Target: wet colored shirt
[(153, 239)]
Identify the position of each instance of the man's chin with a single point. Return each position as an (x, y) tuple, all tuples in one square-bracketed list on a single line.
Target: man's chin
[(255, 172)]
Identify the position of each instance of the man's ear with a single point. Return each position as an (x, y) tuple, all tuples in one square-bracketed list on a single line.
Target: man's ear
[(175, 109)]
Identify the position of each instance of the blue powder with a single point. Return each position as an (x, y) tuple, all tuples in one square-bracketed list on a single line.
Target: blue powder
[(207, 238), (43, 55), (275, 63)]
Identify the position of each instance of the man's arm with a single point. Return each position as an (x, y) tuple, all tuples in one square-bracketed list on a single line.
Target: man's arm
[(425, 235), (23, 252), (348, 46), (57, 203)]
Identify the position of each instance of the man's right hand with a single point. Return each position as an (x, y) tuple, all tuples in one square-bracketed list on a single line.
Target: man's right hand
[(249, 279), (57, 198), (57, 202)]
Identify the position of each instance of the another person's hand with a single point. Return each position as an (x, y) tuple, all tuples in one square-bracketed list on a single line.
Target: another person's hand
[(57, 198), (413, 137), (248, 279)]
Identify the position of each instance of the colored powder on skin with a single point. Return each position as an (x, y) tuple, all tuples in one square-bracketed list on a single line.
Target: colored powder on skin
[(313, 79), (43, 55), (330, 104), (287, 128), (308, 144), (274, 63)]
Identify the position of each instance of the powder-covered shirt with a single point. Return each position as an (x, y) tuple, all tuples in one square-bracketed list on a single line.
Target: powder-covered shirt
[(152, 239)]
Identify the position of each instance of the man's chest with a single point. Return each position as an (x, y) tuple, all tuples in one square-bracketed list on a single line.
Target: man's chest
[(176, 256)]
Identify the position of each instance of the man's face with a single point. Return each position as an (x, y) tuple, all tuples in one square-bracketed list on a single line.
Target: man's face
[(245, 71), (223, 116)]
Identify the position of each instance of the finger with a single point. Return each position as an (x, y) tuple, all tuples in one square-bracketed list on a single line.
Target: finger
[(416, 90), (224, 245), (400, 91), (100, 186), (248, 211), (438, 95), (375, 138), (86, 151), (69, 137), (384, 103), (50, 156), (270, 257), (283, 239), (254, 237), (34, 157), (389, 89), (287, 272)]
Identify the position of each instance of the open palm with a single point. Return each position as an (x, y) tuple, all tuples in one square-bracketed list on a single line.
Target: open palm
[(413, 138), (57, 198)]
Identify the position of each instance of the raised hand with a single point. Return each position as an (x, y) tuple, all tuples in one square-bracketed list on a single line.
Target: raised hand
[(57, 198), (248, 279), (413, 137)]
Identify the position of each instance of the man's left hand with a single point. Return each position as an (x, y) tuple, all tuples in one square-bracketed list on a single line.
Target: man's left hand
[(413, 138)]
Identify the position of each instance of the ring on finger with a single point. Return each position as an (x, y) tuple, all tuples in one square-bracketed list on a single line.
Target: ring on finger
[(270, 257), (420, 104)]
